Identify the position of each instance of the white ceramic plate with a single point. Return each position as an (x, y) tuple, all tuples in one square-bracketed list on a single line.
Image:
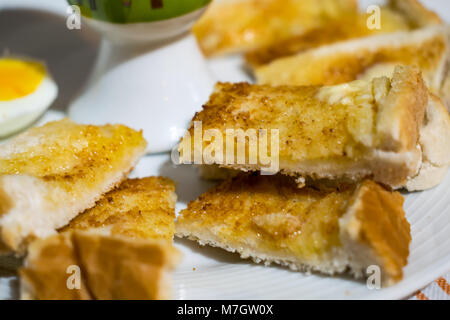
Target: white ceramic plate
[(211, 273)]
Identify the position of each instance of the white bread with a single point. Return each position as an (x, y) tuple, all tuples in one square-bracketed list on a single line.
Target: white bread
[(50, 174), (270, 220)]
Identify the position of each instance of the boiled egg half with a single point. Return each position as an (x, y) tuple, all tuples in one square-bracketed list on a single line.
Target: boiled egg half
[(26, 91)]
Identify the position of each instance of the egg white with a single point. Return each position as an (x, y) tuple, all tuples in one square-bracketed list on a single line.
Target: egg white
[(19, 113)]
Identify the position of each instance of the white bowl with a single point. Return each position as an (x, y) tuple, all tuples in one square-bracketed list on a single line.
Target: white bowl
[(157, 91)]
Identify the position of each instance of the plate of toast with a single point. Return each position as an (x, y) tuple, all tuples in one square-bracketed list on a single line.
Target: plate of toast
[(317, 169)]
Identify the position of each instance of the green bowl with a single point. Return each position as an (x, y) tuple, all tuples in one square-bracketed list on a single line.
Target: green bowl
[(134, 11)]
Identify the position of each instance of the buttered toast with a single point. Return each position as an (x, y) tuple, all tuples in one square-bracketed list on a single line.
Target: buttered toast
[(395, 16), (242, 25), (434, 135), (365, 58), (270, 220), (49, 174), (138, 208), (355, 130), (122, 245)]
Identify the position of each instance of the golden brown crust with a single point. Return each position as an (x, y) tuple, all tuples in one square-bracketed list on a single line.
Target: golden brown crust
[(236, 26), (376, 218), (111, 267), (269, 219), (329, 33), (138, 208), (347, 61), (297, 112), (63, 151)]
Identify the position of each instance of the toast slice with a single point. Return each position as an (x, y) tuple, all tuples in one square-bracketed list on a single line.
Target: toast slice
[(396, 16), (270, 220), (241, 25), (355, 130), (364, 58), (49, 174), (137, 208), (83, 265), (433, 141), (106, 242)]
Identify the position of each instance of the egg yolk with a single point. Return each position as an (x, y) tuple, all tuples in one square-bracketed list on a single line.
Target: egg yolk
[(19, 78)]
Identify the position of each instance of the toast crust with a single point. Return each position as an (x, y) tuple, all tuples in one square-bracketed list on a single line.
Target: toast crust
[(50, 174), (137, 208), (270, 219), (111, 267)]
